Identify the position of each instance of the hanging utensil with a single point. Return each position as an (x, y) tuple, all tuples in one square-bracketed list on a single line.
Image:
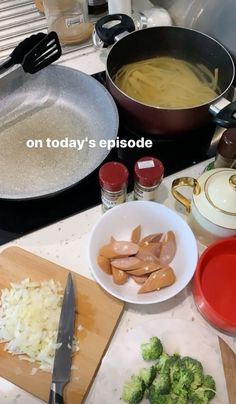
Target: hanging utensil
[(34, 53), (62, 360)]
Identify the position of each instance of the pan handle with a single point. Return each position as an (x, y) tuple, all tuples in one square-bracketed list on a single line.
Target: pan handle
[(109, 34), (224, 113)]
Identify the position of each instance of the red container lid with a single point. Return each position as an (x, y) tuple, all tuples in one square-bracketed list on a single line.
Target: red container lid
[(113, 176), (148, 171)]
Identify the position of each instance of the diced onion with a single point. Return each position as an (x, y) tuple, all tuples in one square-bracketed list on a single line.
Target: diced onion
[(29, 319)]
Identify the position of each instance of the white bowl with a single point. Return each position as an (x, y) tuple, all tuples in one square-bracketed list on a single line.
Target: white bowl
[(153, 218)]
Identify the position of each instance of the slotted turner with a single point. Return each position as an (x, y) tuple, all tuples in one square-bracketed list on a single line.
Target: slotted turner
[(34, 53)]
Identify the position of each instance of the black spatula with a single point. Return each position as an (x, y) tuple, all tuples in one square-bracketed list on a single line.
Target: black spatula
[(34, 53)]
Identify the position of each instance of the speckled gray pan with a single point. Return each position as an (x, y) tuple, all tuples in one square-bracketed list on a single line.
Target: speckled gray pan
[(36, 113)]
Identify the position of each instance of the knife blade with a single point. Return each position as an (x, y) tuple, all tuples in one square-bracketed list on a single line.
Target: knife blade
[(62, 359)]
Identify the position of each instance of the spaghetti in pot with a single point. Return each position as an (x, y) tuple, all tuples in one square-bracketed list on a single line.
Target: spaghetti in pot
[(168, 82)]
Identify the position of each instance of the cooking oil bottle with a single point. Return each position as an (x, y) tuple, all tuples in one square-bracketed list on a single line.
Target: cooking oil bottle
[(97, 6)]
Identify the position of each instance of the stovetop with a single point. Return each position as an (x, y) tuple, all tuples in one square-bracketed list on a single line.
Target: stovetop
[(18, 218)]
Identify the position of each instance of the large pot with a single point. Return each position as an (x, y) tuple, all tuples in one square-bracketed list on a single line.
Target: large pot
[(212, 208), (187, 44), (51, 124)]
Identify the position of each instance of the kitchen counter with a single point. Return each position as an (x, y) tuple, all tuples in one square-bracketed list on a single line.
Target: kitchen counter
[(65, 244)]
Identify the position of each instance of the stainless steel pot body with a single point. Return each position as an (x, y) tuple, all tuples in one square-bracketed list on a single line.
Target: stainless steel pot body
[(176, 42), (51, 124)]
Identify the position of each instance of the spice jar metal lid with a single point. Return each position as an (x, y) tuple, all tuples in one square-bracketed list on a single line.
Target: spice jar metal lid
[(113, 176), (148, 171)]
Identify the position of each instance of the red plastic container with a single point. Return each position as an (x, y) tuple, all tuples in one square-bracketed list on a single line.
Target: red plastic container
[(214, 284)]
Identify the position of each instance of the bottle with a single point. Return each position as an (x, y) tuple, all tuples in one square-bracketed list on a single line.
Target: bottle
[(226, 150), (148, 174), (153, 17), (113, 179), (97, 6), (119, 6), (69, 19)]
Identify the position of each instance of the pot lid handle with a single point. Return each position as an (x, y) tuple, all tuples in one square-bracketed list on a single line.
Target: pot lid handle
[(226, 117), (108, 32), (220, 191)]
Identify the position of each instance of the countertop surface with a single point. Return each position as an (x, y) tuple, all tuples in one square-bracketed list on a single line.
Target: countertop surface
[(65, 244)]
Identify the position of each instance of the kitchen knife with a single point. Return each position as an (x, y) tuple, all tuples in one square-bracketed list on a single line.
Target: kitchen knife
[(62, 359)]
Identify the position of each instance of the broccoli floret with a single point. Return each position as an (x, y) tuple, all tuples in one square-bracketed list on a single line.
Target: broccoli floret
[(148, 375), (161, 361), (181, 398), (198, 397), (205, 392), (133, 390), (152, 349), (161, 399), (181, 378), (161, 385), (171, 365), (209, 386), (195, 367)]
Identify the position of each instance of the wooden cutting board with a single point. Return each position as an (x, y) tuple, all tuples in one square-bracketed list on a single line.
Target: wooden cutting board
[(97, 312)]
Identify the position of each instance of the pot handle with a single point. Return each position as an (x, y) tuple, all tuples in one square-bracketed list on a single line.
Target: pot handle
[(108, 35), (185, 181), (224, 113)]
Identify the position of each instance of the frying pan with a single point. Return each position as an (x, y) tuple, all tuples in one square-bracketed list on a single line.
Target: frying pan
[(50, 127)]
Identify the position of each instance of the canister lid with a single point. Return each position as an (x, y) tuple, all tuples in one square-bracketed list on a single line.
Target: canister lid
[(227, 144), (113, 176), (148, 171), (220, 189)]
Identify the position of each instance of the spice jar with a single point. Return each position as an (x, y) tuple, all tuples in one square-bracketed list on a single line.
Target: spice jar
[(69, 18), (148, 174), (226, 150), (113, 179)]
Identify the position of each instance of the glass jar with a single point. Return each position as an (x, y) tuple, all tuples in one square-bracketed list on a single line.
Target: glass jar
[(148, 174), (69, 18), (153, 17), (113, 179)]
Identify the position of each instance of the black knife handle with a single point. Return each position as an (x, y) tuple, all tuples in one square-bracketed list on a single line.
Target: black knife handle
[(55, 396)]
